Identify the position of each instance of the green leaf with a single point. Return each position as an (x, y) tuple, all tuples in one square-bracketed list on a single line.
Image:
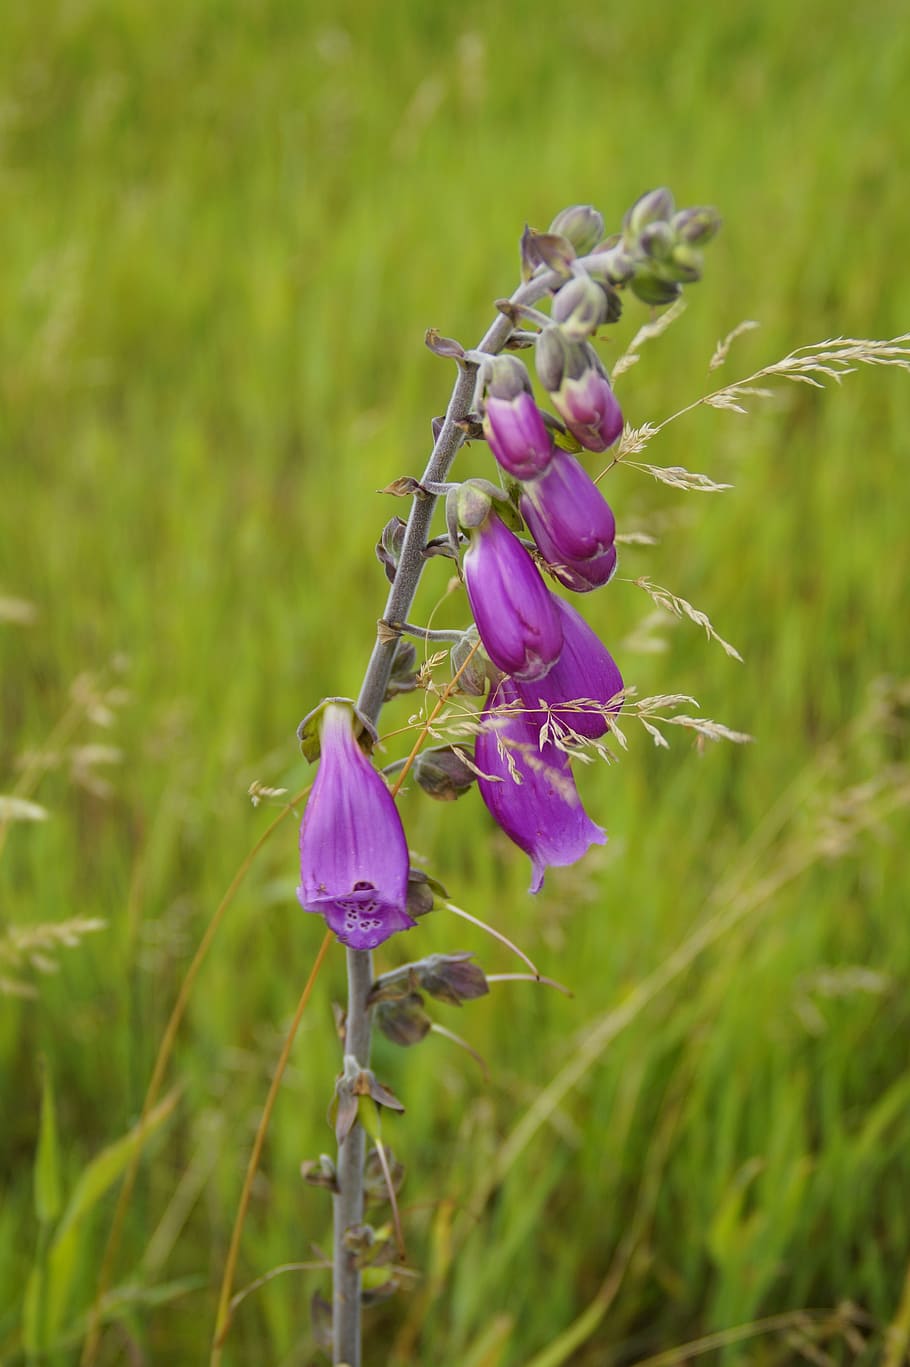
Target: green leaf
[(48, 1191)]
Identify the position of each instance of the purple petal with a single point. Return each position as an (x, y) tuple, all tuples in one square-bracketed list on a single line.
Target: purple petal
[(353, 851), (572, 523), (517, 435), (585, 670), (542, 814), (590, 409), (512, 606)]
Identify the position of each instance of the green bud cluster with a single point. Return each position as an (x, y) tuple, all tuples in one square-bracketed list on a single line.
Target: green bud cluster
[(663, 246)]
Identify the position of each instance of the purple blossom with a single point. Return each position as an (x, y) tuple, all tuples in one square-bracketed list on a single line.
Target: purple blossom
[(543, 813), (353, 851), (590, 409), (514, 610), (572, 524), (585, 671), (512, 422), (580, 388)]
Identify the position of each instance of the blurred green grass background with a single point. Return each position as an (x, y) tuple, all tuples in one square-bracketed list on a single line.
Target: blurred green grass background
[(225, 229)]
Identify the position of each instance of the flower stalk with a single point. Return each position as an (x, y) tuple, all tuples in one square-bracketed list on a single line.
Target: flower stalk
[(349, 1203)]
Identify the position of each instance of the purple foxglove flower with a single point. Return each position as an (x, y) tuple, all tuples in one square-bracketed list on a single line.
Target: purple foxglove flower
[(577, 383), (353, 851), (512, 422), (543, 814), (514, 610), (572, 523), (585, 670)]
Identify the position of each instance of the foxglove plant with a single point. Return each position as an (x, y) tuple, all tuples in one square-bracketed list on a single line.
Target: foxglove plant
[(551, 684)]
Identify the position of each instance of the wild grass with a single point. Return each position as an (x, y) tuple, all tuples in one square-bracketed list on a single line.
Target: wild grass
[(226, 230)]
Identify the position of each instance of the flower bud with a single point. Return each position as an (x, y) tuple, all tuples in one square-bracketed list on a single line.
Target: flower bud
[(442, 773), (581, 224), (512, 422), (580, 307), (657, 241), (696, 226), (578, 385), (652, 207), (685, 264)]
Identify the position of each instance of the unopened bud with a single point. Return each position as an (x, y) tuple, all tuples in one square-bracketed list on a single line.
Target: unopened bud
[(473, 504), (656, 240), (653, 207), (507, 378), (696, 226), (581, 224), (580, 307), (442, 773), (686, 263), (550, 357)]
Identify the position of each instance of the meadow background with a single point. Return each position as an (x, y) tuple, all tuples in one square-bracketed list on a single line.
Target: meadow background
[(225, 228)]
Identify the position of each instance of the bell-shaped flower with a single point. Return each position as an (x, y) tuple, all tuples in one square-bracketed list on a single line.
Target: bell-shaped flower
[(542, 813), (584, 684), (512, 423), (572, 523), (514, 610), (580, 388), (353, 851)]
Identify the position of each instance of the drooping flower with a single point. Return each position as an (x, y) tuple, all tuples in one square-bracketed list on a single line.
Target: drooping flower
[(585, 676), (542, 814), (512, 422), (572, 523), (514, 610), (353, 851), (580, 388)]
